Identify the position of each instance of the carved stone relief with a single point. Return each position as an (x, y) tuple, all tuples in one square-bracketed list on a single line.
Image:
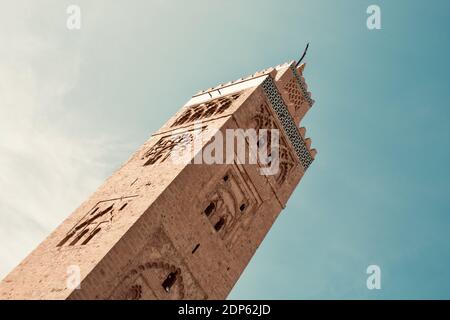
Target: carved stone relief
[(158, 272), (179, 142), (296, 97), (263, 119), (97, 220), (206, 110), (289, 126), (230, 206)]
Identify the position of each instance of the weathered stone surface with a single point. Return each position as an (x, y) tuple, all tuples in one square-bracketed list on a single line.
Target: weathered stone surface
[(160, 230)]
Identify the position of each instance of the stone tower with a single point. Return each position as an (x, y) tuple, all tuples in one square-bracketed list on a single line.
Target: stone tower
[(160, 229)]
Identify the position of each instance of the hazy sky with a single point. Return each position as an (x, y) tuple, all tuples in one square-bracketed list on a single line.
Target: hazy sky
[(75, 104)]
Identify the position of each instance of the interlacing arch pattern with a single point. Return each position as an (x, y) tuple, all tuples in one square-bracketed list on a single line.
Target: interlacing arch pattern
[(206, 109)]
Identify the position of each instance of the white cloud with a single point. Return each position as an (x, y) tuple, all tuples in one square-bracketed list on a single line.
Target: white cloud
[(46, 170)]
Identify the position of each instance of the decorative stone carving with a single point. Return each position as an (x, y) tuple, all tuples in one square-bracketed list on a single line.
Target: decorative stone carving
[(296, 97), (179, 142), (165, 145), (302, 86), (277, 104), (230, 206), (158, 272), (206, 110), (263, 119), (98, 219)]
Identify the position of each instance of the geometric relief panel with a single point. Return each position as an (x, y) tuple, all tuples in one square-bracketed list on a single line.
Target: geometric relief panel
[(302, 86), (296, 97), (97, 220), (206, 110), (286, 163), (290, 128), (263, 119), (158, 272), (178, 144), (230, 206)]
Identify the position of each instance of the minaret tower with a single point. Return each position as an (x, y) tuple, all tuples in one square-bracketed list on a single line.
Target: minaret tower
[(161, 229)]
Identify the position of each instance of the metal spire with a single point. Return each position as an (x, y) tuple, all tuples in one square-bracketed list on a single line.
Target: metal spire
[(303, 55)]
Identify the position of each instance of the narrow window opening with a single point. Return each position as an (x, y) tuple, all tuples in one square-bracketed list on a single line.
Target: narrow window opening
[(66, 238), (93, 233), (81, 235), (170, 281), (96, 209), (209, 209), (225, 178), (196, 248), (242, 207), (219, 224), (107, 209)]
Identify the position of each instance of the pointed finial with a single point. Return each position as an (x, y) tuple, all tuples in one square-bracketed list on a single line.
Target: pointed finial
[(303, 55)]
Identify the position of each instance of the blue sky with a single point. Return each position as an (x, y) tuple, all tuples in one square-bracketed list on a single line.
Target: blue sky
[(75, 104)]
